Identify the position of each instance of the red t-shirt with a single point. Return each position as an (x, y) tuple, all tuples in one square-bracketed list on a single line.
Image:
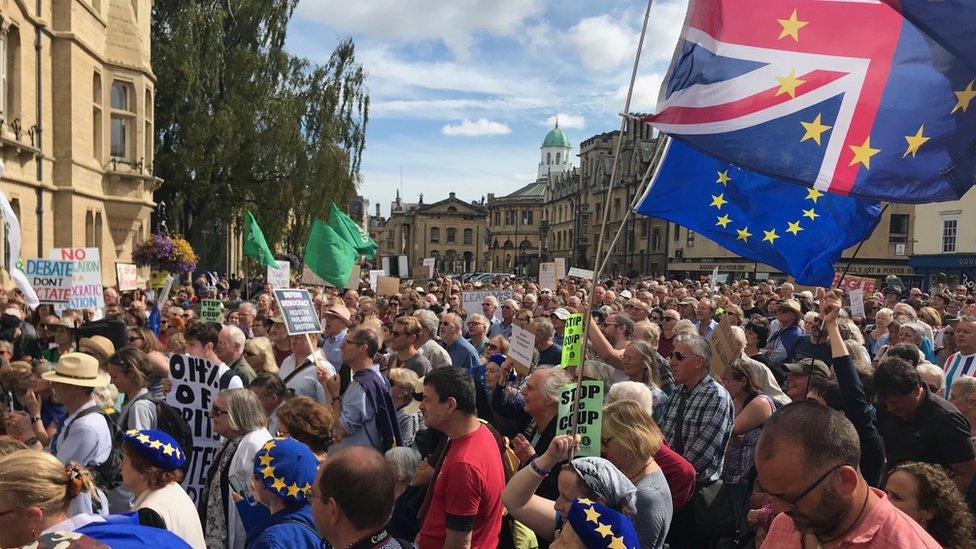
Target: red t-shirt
[(469, 484), (680, 474)]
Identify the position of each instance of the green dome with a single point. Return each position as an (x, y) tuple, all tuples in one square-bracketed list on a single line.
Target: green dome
[(556, 138)]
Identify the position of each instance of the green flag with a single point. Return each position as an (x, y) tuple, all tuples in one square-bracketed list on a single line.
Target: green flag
[(254, 243), (352, 232), (329, 255)]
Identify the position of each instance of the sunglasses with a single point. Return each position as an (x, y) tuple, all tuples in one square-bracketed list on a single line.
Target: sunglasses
[(678, 355), (491, 346)]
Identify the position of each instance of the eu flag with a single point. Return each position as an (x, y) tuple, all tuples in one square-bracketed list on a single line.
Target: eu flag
[(870, 99), (798, 230)]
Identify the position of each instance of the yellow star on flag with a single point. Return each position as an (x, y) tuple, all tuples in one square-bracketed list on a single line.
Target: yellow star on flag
[(586, 501), (718, 201), (744, 234), (143, 439), (723, 221), (278, 484), (811, 214), (168, 450), (307, 487), (813, 194), (791, 27), (863, 153), (794, 227), (604, 530), (293, 489), (132, 432), (915, 141), (963, 97), (814, 129), (770, 236), (266, 459), (723, 178), (592, 515), (789, 83), (155, 444), (617, 543), (268, 471), (268, 445)]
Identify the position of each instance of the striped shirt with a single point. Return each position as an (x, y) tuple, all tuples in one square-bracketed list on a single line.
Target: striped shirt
[(957, 366)]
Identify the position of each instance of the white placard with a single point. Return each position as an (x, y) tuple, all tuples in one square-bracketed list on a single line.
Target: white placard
[(86, 280), (547, 276), (127, 275), (576, 272), (279, 277), (713, 279), (471, 301), (374, 275), (560, 268), (857, 302), (521, 345), (430, 263)]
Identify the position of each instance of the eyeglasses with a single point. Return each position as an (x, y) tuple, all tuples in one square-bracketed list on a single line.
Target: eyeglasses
[(217, 412), (793, 501), (678, 355), (491, 346)]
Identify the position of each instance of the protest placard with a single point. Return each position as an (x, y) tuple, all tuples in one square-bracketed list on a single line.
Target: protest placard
[(589, 418), (560, 268), (165, 291), (576, 272), (51, 279), (725, 348), (280, 276), (195, 384), (127, 277), (857, 302), (309, 278), (157, 279), (210, 310), (471, 301), (86, 280), (352, 283), (299, 311), (547, 275), (573, 341), (429, 263), (855, 282), (387, 285), (521, 346), (374, 275)]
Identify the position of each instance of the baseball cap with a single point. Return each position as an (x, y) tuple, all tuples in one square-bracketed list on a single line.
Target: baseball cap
[(810, 366)]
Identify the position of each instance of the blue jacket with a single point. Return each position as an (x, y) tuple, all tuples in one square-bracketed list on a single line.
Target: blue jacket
[(124, 532), (286, 529)]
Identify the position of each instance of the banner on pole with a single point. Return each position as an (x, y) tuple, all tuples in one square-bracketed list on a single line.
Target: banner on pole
[(589, 417), (573, 341), (299, 311)]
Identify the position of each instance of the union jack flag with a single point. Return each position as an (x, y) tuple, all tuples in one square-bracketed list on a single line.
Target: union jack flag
[(845, 96)]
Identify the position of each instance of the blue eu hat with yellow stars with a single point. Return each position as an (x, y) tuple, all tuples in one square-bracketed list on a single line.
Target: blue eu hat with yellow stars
[(597, 525), (157, 448), (286, 467)]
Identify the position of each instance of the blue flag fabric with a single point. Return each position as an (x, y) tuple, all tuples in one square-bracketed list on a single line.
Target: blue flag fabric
[(855, 98), (798, 230)]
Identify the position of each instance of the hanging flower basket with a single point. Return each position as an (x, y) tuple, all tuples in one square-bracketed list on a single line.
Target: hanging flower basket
[(165, 253)]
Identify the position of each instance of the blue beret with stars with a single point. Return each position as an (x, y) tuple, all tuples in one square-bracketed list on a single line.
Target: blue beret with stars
[(286, 467), (158, 448), (600, 526)]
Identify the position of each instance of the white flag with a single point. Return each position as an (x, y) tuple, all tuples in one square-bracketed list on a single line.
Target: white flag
[(12, 229)]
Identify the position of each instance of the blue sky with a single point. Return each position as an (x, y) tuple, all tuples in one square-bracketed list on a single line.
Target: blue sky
[(464, 91)]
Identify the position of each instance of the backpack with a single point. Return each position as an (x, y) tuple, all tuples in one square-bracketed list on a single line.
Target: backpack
[(170, 420), (107, 475)]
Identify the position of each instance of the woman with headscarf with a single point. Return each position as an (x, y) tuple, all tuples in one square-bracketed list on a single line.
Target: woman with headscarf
[(283, 472), (592, 478), (151, 462)]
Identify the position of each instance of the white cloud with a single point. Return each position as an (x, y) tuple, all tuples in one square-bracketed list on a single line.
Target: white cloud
[(663, 30), (644, 99), (454, 23), (393, 74), (439, 109), (571, 121), (476, 128), (601, 43)]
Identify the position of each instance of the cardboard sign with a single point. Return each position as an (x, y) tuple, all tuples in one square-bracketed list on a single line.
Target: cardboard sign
[(309, 278), (352, 283), (127, 276), (857, 302), (429, 263), (210, 310), (86, 281), (280, 277), (387, 285), (725, 348), (547, 275), (713, 279), (374, 275), (299, 311), (165, 291), (560, 268), (576, 272), (521, 346), (855, 282), (471, 301), (51, 279), (573, 341), (196, 383), (589, 417)]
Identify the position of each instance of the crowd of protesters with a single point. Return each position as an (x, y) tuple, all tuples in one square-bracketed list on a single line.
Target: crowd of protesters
[(406, 422)]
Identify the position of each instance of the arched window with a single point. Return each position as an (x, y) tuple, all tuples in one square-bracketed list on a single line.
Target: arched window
[(468, 236), (548, 158), (508, 244), (435, 235), (559, 157), (451, 235)]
